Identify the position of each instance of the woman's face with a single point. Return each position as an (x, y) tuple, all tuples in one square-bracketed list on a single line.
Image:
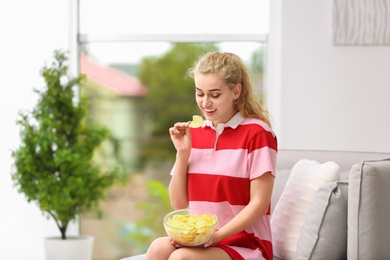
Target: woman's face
[(214, 98)]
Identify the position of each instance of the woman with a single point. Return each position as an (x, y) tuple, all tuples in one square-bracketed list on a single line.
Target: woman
[(226, 166)]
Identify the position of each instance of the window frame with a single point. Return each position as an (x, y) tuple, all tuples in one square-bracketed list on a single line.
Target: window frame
[(76, 38)]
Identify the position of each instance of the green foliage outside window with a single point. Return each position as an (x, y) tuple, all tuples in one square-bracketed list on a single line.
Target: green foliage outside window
[(170, 96), (142, 232)]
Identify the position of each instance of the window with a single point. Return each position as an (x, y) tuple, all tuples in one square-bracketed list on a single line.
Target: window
[(129, 49)]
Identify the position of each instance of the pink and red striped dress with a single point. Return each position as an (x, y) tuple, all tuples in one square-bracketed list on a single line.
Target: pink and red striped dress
[(222, 164)]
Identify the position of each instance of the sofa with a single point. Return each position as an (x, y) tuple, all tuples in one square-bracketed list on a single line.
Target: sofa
[(330, 205)]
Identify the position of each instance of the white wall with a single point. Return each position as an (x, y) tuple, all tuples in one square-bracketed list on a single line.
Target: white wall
[(324, 96), (30, 31)]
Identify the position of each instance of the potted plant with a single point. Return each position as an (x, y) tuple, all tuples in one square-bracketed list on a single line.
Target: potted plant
[(54, 166)]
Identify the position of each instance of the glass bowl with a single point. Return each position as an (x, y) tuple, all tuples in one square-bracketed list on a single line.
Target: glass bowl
[(191, 227)]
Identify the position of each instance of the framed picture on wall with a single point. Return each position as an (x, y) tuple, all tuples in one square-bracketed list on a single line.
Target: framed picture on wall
[(357, 22)]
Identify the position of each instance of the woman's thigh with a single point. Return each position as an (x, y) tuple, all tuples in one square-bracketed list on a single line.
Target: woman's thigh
[(199, 253)]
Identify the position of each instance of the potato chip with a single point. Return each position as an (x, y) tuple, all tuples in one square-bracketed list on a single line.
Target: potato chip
[(191, 229), (197, 121)]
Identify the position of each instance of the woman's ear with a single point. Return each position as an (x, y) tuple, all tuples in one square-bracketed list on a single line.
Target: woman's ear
[(237, 91)]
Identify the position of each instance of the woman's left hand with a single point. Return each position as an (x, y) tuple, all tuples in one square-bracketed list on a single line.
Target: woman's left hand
[(175, 244), (209, 243)]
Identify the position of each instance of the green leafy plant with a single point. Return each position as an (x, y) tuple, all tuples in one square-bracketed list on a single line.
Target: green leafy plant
[(54, 166)]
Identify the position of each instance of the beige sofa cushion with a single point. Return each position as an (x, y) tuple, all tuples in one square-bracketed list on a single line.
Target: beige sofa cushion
[(324, 233)]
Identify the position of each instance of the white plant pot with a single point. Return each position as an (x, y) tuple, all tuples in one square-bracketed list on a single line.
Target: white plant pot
[(75, 248)]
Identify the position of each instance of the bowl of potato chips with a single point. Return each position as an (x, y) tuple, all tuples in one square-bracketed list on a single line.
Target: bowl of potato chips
[(191, 227)]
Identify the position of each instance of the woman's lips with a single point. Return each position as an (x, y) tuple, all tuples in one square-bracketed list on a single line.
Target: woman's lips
[(209, 111)]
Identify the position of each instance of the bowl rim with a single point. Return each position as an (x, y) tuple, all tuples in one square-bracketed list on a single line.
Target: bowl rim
[(189, 210)]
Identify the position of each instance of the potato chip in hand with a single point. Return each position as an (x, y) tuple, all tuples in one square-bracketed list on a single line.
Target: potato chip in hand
[(197, 121)]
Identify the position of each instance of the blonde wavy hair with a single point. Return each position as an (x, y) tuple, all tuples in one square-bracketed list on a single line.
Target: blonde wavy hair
[(232, 69)]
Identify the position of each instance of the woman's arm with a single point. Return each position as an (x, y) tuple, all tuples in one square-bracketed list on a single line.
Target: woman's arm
[(178, 186), (181, 138), (260, 197)]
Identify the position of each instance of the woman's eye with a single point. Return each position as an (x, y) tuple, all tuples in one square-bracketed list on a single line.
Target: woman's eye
[(212, 96)]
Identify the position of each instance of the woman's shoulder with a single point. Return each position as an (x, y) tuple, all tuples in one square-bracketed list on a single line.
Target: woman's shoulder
[(256, 123)]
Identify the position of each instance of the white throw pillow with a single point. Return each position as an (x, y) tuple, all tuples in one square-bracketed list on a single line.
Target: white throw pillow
[(307, 176)]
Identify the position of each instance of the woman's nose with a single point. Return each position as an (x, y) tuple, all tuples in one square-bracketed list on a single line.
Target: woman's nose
[(206, 102)]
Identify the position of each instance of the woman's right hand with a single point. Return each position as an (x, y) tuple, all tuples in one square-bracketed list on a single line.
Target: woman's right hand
[(181, 137)]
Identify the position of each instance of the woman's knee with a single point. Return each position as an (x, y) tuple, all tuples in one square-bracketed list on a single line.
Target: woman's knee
[(160, 248), (181, 254)]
